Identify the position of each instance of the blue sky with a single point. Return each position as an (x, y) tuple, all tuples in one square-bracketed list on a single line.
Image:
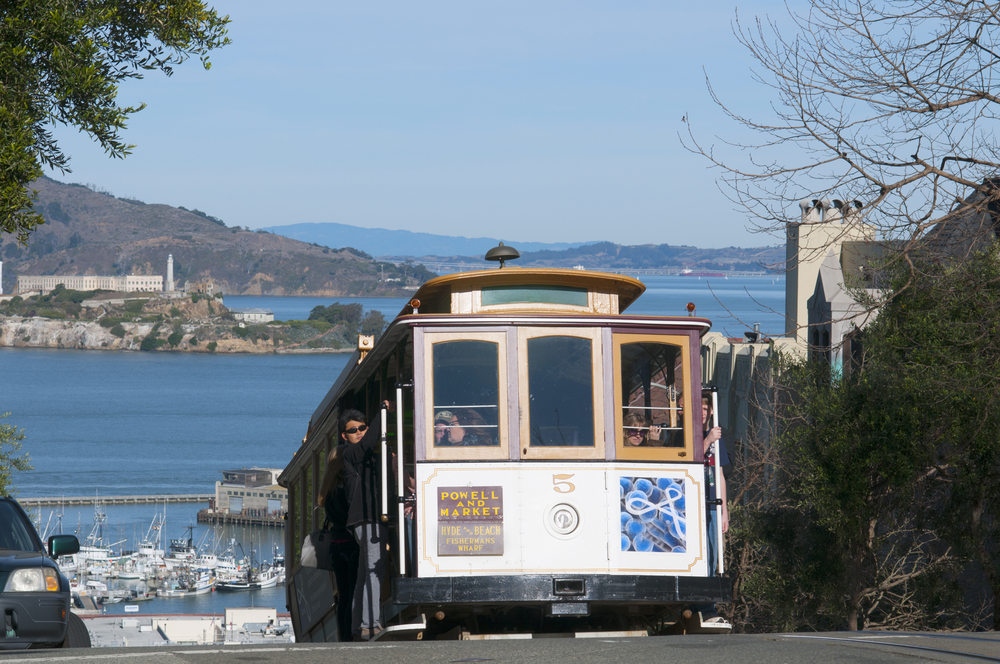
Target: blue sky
[(553, 121)]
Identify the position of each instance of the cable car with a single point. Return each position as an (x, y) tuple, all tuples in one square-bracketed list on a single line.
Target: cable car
[(559, 479)]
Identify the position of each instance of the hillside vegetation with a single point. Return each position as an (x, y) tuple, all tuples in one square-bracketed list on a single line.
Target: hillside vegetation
[(92, 232), (101, 320)]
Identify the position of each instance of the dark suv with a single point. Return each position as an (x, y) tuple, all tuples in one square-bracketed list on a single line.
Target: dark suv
[(34, 596)]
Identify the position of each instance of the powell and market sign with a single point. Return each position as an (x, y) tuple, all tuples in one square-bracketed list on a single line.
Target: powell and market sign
[(470, 521)]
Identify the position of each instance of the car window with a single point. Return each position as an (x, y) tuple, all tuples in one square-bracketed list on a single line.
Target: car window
[(16, 534)]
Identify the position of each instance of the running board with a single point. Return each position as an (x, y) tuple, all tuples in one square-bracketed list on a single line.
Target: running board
[(407, 632)]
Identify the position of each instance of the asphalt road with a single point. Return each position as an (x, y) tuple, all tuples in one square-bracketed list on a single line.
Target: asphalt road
[(832, 648)]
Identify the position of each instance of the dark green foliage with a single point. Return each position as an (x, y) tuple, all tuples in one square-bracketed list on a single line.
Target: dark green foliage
[(941, 336), (212, 346), (63, 63), (134, 306), (373, 324), (51, 313), (55, 212), (10, 460), (878, 507), (62, 294), (348, 315), (193, 341), (241, 332), (214, 220), (118, 331), (175, 312), (195, 297), (150, 342), (175, 338), (110, 321), (356, 252)]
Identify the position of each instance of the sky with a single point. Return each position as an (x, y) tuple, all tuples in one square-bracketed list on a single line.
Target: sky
[(550, 122)]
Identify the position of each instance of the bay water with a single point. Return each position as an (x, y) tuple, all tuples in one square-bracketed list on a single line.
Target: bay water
[(102, 423)]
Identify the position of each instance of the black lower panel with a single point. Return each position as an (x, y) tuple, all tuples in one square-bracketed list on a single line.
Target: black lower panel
[(603, 588)]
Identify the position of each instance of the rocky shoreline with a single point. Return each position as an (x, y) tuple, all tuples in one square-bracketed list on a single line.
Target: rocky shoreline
[(18, 332)]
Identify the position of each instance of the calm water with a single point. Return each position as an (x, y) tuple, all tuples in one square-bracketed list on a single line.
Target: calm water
[(111, 423), (298, 308), (733, 305)]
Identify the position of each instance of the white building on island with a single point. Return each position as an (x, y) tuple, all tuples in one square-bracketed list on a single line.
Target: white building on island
[(132, 283), (253, 315)]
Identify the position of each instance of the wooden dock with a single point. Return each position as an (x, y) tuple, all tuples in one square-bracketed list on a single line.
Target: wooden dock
[(70, 501), (270, 520)]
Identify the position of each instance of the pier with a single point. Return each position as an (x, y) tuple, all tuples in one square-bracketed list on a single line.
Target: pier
[(115, 500), (225, 518)]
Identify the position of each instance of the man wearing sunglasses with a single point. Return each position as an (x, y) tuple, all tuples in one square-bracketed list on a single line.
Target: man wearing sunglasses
[(363, 481)]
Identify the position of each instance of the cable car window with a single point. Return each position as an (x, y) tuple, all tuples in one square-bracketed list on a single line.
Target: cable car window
[(493, 295), (651, 373), (561, 391), (466, 394), (650, 387)]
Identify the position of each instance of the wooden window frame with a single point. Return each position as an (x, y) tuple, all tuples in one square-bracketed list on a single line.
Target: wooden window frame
[(683, 454), (542, 452), (493, 452)]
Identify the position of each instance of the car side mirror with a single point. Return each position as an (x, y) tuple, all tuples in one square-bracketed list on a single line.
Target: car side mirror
[(63, 545)]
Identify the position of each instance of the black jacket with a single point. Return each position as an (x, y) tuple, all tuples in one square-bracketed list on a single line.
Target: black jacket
[(363, 477)]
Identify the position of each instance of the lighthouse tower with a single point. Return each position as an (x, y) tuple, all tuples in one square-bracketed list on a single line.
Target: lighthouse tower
[(170, 273)]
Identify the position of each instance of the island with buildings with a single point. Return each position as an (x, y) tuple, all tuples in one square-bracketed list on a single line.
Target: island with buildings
[(150, 313)]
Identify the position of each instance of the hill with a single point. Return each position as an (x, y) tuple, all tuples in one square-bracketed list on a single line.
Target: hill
[(91, 232), (658, 256), (399, 246), (663, 258), (383, 242)]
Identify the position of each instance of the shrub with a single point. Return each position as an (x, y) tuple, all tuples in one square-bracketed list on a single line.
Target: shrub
[(195, 297), (109, 321), (212, 346), (149, 343), (175, 312), (241, 332), (175, 339), (118, 331), (52, 313), (134, 306), (193, 341), (25, 339)]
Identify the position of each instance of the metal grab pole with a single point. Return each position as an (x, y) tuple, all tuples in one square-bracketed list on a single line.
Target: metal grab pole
[(718, 483), (400, 482), (385, 467)]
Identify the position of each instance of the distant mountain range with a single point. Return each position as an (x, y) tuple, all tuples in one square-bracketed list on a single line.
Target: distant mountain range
[(383, 242), (92, 232), (429, 248)]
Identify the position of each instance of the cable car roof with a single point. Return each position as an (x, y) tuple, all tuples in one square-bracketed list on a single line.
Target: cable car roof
[(435, 296)]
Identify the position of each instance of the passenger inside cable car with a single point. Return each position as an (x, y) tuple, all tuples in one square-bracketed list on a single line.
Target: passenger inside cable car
[(639, 432)]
